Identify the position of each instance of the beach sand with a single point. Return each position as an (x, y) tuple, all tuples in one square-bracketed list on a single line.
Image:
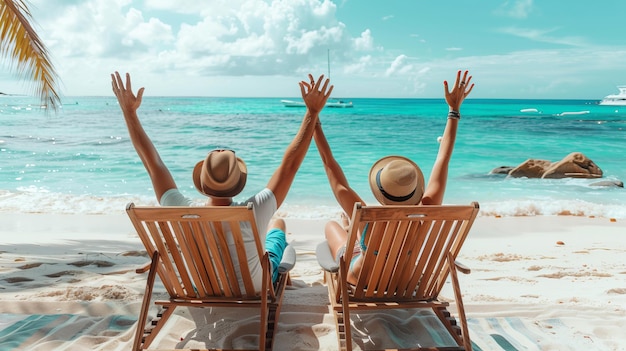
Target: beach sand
[(537, 283)]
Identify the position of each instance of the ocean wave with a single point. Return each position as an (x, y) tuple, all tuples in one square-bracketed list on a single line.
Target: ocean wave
[(522, 208), (38, 200)]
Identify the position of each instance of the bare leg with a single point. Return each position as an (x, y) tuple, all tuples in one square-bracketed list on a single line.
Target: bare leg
[(336, 237), (277, 223)]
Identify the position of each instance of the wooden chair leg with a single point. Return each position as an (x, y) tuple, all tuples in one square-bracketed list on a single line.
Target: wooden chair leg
[(459, 303), (345, 306), (274, 310), (265, 286), (145, 305)]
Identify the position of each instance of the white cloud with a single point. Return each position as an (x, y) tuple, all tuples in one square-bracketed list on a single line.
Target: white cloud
[(399, 66), (519, 9), (365, 42), (541, 35), (262, 47), (151, 33), (360, 66), (224, 37)]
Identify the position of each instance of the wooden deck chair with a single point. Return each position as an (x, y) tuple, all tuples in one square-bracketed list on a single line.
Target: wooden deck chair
[(410, 252), (190, 253)]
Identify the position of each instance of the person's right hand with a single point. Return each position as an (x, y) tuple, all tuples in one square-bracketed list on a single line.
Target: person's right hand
[(313, 97), (459, 91), (127, 100)]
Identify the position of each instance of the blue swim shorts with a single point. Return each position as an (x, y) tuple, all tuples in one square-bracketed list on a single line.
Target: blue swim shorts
[(275, 244)]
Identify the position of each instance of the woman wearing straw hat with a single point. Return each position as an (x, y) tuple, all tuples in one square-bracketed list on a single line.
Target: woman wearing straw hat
[(222, 175), (394, 180)]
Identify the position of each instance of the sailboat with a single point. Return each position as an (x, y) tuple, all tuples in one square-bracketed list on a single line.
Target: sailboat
[(336, 103)]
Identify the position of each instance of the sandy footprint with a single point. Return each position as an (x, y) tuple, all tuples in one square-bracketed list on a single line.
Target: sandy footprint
[(143, 253), (63, 273), (15, 280), (559, 275), (512, 279), (98, 263), (502, 257), (30, 265), (617, 291)]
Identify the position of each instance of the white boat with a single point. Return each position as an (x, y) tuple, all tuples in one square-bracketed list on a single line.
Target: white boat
[(330, 103), (291, 103), (616, 99), (338, 103)]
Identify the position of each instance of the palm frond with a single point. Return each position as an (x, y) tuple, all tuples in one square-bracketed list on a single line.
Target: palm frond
[(29, 57)]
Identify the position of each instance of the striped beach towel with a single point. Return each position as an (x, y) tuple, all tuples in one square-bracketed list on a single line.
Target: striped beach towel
[(115, 332), (60, 331)]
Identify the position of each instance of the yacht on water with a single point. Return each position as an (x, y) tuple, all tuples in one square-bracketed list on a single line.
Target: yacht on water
[(616, 99), (329, 103)]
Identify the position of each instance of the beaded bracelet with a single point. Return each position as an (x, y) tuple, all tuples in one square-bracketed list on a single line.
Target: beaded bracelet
[(454, 115)]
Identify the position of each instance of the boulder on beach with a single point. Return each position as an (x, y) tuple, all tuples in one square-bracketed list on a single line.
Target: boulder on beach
[(530, 168), (609, 183), (574, 165)]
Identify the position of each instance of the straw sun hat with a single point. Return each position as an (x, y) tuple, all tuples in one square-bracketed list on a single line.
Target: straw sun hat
[(396, 180), (220, 174)]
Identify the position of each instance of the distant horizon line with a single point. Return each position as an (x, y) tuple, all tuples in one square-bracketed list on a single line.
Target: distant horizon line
[(299, 98)]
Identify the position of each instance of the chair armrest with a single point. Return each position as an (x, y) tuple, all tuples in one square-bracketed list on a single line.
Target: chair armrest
[(144, 268), (462, 268), (325, 258), (289, 259)]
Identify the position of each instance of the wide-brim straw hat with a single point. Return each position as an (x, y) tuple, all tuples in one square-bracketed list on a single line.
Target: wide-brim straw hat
[(220, 174), (396, 180)]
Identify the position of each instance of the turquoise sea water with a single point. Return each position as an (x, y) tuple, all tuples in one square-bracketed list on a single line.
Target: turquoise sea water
[(80, 160)]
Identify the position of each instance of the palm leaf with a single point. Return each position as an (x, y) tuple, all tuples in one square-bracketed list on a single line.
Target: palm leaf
[(29, 57)]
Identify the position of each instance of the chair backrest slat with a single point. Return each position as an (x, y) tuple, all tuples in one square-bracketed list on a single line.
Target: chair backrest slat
[(218, 251), (203, 263), (197, 246), (431, 256), (441, 265), (185, 258), (164, 244), (241, 254), (394, 262), (404, 256), (373, 233), (407, 249)]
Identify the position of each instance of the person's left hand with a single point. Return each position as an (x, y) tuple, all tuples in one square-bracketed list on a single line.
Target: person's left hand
[(314, 97), (127, 100), (460, 90)]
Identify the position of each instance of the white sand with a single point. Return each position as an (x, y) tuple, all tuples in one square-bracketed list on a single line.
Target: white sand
[(565, 277)]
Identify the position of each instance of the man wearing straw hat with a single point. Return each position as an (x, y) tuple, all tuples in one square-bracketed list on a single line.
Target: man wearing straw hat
[(394, 180), (222, 175)]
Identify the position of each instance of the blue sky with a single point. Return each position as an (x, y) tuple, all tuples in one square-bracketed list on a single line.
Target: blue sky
[(393, 48)]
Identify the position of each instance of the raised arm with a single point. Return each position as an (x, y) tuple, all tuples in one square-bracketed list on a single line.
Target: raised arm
[(433, 195), (161, 177), (314, 95), (345, 195)]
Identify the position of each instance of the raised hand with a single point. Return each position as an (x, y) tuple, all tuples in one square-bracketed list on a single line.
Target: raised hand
[(314, 97), (460, 90), (127, 100)]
